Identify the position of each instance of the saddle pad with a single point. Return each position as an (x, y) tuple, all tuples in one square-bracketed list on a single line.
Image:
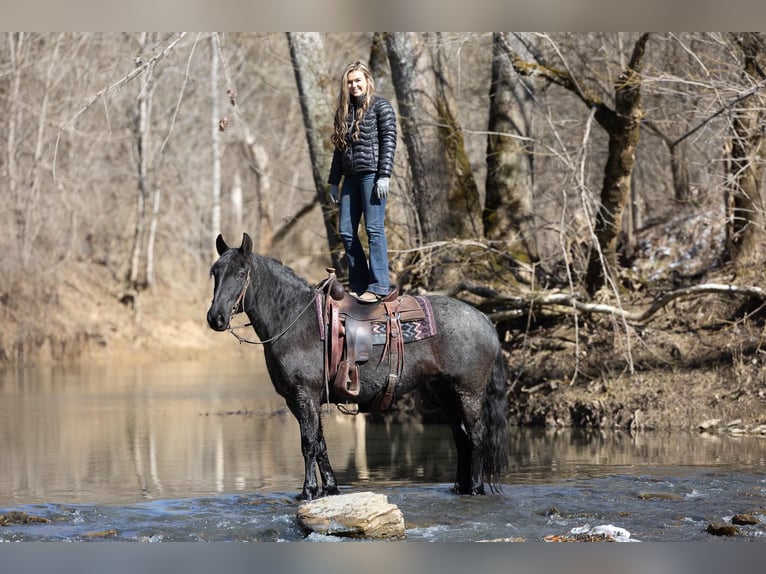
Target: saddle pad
[(411, 330)]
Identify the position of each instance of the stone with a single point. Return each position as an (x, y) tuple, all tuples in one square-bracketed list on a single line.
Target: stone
[(355, 515), (744, 519), (722, 529), (19, 517), (659, 496), (709, 425)]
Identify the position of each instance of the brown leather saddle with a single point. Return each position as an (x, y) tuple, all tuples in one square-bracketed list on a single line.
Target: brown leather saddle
[(348, 326)]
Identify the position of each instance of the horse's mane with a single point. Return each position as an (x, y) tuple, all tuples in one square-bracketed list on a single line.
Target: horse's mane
[(282, 272)]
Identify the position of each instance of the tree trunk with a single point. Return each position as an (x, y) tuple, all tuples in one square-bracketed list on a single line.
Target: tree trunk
[(445, 193), (236, 206), (623, 127), (142, 128), (379, 64), (508, 206), (679, 166), (215, 139), (744, 202), (306, 52), (13, 122), (257, 158)]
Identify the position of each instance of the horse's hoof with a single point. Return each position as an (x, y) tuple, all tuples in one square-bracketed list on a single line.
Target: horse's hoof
[(468, 491), (306, 496)]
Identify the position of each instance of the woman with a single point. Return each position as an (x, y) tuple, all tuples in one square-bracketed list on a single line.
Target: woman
[(364, 141)]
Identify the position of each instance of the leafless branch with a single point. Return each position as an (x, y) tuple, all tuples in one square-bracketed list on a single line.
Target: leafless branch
[(511, 307), (136, 72)]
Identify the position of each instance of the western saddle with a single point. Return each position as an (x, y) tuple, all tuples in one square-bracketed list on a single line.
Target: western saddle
[(348, 335)]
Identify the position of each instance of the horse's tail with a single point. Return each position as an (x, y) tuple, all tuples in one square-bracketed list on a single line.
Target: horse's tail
[(494, 417)]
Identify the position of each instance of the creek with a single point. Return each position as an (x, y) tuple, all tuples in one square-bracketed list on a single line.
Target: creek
[(202, 451)]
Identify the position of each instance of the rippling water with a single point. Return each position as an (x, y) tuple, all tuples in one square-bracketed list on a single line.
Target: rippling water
[(194, 451)]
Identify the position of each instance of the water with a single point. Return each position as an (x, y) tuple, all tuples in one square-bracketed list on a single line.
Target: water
[(208, 452)]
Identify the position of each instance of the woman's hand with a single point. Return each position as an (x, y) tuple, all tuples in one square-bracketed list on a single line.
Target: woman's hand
[(381, 187)]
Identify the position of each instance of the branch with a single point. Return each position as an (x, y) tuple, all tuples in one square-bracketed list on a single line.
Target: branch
[(141, 66), (743, 96), (559, 77), (511, 307), (293, 220)]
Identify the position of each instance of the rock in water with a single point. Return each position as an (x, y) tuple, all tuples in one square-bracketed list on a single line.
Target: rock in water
[(357, 515)]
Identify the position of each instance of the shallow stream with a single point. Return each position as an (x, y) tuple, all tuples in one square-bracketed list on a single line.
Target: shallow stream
[(207, 452)]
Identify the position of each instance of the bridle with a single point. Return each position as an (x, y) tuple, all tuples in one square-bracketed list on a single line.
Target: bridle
[(241, 297), (240, 300)]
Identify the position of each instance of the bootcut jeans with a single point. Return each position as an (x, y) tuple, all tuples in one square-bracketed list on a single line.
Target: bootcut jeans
[(357, 198)]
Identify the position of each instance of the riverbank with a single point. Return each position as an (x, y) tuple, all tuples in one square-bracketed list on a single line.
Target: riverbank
[(691, 367)]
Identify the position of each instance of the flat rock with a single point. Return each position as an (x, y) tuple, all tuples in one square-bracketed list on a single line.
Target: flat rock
[(722, 529), (708, 425), (744, 519), (356, 515)]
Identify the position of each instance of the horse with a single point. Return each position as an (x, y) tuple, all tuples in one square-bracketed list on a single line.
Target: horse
[(462, 364)]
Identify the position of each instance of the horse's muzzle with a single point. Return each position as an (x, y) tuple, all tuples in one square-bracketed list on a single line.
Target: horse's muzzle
[(217, 321)]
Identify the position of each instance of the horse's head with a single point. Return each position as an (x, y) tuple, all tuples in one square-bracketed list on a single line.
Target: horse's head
[(231, 274)]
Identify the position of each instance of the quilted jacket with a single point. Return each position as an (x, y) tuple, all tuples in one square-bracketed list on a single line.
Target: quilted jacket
[(374, 150)]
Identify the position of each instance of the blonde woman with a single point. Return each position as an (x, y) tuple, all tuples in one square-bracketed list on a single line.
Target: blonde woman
[(364, 140)]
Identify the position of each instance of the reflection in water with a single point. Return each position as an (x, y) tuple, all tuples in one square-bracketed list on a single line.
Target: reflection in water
[(122, 433)]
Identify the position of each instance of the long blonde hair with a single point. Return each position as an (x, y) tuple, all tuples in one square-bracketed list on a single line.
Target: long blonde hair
[(340, 131)]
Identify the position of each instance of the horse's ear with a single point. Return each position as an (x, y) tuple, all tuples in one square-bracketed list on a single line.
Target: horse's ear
[(247, 244), (220, 245)]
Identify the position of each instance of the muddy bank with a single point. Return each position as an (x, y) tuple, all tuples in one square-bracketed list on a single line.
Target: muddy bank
[(696, 363), (693, 365)]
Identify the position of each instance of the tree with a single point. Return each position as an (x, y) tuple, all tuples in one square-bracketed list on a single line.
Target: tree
[(148, 163), (307, 55), (510, 158), (215, 142), (622, 125), (744, 202), (142, 127), (444, 190)]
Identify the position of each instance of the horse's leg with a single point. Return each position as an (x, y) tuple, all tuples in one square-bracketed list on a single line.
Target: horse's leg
[(329, 485), (463, 473), (314, 449), (468, 478), (463, 416)]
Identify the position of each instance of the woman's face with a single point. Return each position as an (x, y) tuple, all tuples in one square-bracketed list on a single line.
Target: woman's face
[(357, 83)]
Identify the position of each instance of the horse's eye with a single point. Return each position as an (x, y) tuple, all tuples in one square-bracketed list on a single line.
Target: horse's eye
[(241, 273)]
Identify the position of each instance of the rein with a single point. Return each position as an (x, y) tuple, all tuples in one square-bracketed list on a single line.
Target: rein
[(241, 299)]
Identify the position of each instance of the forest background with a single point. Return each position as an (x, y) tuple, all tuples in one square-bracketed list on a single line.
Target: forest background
[(598, 195)]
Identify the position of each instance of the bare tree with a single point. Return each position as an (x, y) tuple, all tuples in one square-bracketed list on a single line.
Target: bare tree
[(307, 55), (744, 202), (142, 127), (510, 164), (444, 189), (622, 125), (215, 142)]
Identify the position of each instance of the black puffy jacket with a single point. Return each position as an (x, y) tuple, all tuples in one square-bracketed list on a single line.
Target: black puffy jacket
[(374, 150)]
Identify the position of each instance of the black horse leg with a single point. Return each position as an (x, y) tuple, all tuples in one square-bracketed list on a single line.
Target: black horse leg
[(463, 417), (463, 472), (329, 485), (468, 479), (314, 450)]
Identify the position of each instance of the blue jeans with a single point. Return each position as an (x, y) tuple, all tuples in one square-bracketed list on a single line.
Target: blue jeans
[(357, 199)]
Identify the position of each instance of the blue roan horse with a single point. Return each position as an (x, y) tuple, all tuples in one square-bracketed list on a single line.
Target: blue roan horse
[(462, 364)]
